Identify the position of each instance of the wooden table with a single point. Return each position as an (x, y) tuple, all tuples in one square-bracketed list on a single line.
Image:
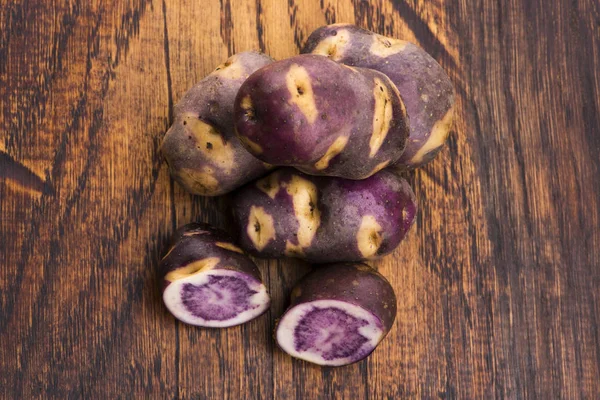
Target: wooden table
[(498, 283)]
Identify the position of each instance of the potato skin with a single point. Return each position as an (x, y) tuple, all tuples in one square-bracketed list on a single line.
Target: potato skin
[(424, 86), (202, 151), (323, 219), (354, 283), (198, 241), (322, 117)]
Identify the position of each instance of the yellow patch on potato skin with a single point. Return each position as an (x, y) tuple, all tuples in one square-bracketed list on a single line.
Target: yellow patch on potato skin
[(254, 147), (231, 69), (269, 184), (304, 196), (210, 143), (293, 250), (368, 237), (382, 116), (301, 93), (333, 47), (437, 137), (364, 268), (229, 246), (261, 227), (334, 149), (192, 268), (199, 182), (304, 199), (379, 167), (246, 103), (382, 46)]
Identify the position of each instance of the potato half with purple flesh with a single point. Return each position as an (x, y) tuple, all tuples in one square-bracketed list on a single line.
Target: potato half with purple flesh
[(202, 151), (424, 86), (323, 219), (338, 315), (322, 117), (208, 281)]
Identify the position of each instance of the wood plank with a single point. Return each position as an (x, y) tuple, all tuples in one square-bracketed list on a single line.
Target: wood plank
[(497, 283)]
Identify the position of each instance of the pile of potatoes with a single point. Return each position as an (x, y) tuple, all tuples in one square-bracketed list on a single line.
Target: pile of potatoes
[(309, 150)]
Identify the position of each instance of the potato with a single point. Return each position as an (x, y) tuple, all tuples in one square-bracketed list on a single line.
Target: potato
[(338, 314), (201, 148), (322, 117), (323, 219), (208, 281), (425, 88)]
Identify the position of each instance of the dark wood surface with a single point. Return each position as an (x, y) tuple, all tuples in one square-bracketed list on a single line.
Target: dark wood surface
[(498, 283)]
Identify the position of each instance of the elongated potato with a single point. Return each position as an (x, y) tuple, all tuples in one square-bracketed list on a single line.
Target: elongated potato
[(323, 219), (208, 281), (322, 117), (338, 315), (201, 148), (426, 89)]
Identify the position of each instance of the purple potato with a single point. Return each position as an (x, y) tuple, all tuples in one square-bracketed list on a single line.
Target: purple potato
[(338, 315), (202, 151), (322, 117), (323, 219), (208, 281), (425, 87)]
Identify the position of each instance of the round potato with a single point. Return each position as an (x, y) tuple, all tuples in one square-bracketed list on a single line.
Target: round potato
[(425, 87), (338, 315), (323, 219), (322, 117), (202, 151), (208, 281)]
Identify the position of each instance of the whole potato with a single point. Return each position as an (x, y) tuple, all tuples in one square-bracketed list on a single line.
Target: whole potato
[(323, 219), (338, 315), (425, 87), (322, 117), (208, 281), (202, 151)]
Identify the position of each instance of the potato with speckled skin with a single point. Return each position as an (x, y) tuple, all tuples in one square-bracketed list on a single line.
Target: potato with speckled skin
[(323, 219), (202, 151), (338, 315), (322, 117), (208, 281), (425, 87)]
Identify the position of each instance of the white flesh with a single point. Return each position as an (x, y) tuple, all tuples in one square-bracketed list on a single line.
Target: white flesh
[(173, 301), (287, 325)]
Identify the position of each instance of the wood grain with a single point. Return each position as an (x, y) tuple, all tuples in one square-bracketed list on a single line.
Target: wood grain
[(498, 282)]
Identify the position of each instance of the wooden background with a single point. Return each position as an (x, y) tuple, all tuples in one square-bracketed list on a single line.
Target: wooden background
[(498, 283)]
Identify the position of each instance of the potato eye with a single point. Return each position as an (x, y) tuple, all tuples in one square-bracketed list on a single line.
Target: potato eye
[(251, 114)]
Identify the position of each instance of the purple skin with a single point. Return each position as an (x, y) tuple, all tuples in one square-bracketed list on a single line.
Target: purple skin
[(207, 267), (424, 86), (201, 148), (348, 284), (322, 117), (332, 219)]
